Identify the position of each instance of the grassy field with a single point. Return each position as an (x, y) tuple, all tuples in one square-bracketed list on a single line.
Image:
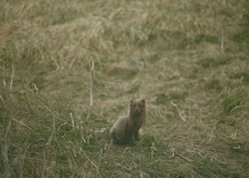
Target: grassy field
[(188, 59)]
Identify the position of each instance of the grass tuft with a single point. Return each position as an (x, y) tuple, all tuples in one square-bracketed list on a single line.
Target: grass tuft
[(213, 62), (206, 38), (213, 84), (231, 103), (163, 98), (242, 76)]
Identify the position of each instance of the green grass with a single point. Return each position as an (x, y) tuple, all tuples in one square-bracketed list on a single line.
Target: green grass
[(208, 168), (213, 84), (206, 38), (230, 103), (242, 76), (241, 37), (168, 52), (154, 58), (213, 62), (187, 42), (172, 96)]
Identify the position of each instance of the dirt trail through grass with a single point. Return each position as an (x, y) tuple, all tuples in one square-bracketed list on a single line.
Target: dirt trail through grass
[(188, 59)]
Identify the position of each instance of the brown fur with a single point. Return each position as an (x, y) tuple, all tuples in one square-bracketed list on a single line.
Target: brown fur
[(126, 129)]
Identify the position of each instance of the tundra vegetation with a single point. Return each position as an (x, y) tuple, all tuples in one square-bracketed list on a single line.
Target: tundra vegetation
[(188, 59)]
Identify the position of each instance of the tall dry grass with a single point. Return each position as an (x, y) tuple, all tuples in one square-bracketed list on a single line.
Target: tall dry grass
[(189, 60)]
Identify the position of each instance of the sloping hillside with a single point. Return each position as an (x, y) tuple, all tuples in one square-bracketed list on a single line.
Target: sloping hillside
[(188, 59)]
